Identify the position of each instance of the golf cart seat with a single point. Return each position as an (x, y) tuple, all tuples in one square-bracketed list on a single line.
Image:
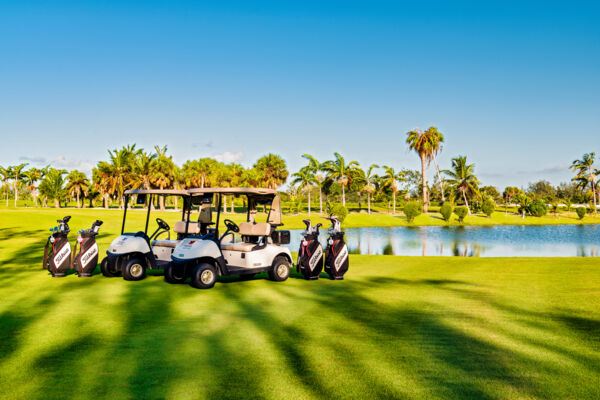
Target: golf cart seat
[(255, 229), (193, 227), (165, 243), (245, 247), (248, 229)]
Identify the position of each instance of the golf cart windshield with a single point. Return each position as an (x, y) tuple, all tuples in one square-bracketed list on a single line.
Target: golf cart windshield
[(151, 198)]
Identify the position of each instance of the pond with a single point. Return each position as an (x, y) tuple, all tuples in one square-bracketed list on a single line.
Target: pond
[(472, 241)]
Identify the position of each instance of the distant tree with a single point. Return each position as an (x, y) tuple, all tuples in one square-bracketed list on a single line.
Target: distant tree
[(492, 192), (316, 167), (305, 179), (510, 192), (426, 145), (32, 176), (17, 174), (273, 170), (489, 206), (370, 187), (341, 172), (523, 201), (5, 174), (391, 179), (541, 190), (53, 185), (164, 171), (77, 185), (462, 178), (143, 170), (586, 174)]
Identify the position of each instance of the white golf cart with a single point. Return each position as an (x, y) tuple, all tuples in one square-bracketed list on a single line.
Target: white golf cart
[(260, 249), (131, 254)]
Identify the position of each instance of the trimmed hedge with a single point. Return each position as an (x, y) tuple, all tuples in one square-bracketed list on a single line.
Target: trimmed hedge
[(412, 209), (446, 211), (461, 212)]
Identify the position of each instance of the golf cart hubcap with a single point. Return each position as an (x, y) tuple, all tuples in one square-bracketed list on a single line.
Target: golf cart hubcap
[(136, 270), (282, 270), (206, 277)]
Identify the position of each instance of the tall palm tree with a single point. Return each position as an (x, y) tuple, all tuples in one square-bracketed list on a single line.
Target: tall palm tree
[(32, 175), (315, 166), (118, 172), (101, 181), (436, 139), (586, 175), (424, 144), (250, 178), (5, 174), (163, 171), (341, 172), (370, 187), (17, 174), (305, 178), (53, 185), (273, 169), (142, 170), (391, 179), (77, 185), (462, 178)]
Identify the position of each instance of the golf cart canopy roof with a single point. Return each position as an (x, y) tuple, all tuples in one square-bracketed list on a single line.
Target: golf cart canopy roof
[(173, 192), (224, 190)]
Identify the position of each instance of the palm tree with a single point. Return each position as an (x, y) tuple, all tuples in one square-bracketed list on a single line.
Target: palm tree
[(391, 179), (163, 171), (370, 188), (77, 184), (118, 172), (101, 181), (315, 166), (305, 178), (341, 172), (463, 179), (32, 175), (5, 173), (142, 170), (436, 139), (52, 186), (17, 174), (586, 175), (424, 144), (273, 169)]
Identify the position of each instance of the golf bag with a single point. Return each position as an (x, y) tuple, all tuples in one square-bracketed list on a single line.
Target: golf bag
[(85, 262), (310, 255), (57, 252), (336, 253)]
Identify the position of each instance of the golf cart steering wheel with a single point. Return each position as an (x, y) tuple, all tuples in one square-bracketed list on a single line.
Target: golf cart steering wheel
[(162, 224), (232, 226)]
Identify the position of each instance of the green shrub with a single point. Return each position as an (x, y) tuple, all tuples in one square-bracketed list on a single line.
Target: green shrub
[(537, 208), (411, 210), (338, 210), (475, 206), (461, 212), (446, 211), (581, 211), (489, 206)]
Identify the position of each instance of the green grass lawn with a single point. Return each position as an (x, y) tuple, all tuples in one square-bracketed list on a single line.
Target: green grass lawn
[(397, 327)]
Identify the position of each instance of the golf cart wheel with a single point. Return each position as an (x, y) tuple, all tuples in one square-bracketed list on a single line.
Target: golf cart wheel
[(280, 270), (204, 276), (174, 274), (105, 269), (134, 270)]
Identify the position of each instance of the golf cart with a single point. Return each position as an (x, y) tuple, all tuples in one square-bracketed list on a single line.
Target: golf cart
[(260, 249), (131, 254)]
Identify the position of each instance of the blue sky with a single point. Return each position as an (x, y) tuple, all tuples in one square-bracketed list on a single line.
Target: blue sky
[(515, 86)]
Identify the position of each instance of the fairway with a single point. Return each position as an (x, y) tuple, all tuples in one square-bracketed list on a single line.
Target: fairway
[(396, 327)]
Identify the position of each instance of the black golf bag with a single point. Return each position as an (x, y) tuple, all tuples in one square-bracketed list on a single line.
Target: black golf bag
[(85, 262), (57, 252), (336, 253), (310, 255)]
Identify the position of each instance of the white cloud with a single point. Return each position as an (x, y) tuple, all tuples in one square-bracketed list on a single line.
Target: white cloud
[(228, 156), (72, 163)]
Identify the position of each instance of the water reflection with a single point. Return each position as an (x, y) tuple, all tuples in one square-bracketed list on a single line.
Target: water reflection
[(468, 241)]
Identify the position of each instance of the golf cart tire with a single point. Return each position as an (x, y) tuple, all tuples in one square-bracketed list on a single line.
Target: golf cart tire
[(171, 275), (105, 269), (130, 271), (197, 276), (277, 273)]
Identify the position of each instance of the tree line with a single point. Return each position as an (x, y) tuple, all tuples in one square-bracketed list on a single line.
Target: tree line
[(331, 180)]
